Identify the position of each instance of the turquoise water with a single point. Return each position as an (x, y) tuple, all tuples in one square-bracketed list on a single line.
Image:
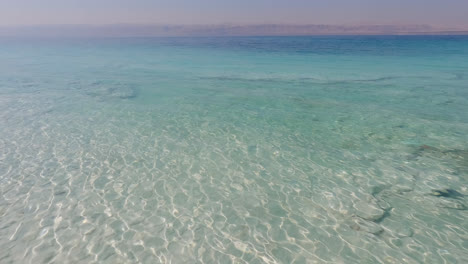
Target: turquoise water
[(234, 150)]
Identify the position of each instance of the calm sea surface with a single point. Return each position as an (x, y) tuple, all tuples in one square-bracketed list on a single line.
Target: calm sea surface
[(234, 150)]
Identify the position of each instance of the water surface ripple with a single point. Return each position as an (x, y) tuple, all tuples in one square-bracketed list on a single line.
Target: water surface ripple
[(234, 150)]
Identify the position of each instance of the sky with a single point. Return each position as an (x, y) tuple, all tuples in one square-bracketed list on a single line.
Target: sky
[(438, 13)]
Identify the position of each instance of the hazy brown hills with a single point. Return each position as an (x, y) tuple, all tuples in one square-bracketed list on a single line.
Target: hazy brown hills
[(131, 30)]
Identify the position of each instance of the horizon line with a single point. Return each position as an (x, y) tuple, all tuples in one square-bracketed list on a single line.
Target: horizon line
[(225, 29)]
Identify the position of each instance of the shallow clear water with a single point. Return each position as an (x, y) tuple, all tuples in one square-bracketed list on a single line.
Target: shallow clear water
[(234, 150)]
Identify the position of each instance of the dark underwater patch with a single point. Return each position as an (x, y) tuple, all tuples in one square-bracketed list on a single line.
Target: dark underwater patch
[(447, 193)]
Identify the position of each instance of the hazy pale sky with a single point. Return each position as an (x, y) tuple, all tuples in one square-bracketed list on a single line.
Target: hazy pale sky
[(439, 13)]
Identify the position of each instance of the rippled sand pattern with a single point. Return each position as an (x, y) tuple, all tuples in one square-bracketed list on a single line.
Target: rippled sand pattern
[(129, 154)]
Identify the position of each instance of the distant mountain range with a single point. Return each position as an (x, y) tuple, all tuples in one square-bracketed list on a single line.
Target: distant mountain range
[(131, 30)]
